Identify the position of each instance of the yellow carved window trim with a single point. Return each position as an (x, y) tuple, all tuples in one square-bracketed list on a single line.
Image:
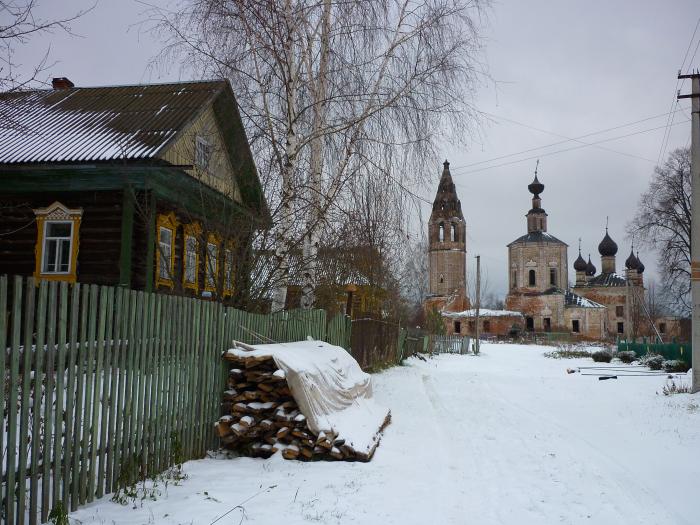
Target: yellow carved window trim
[(211, 278), (229, 269), (192, 234), (166, 222), (55, 214)]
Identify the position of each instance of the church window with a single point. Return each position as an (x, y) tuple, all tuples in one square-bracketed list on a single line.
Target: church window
[(530, 324), (514, 279), (441, 233), (442, 278), (547, 322), (662, 328), (487, 326), (458, 327), (454, 232), (532, 278), (620, 311), (553, 276), (620, 328), (575, 326)]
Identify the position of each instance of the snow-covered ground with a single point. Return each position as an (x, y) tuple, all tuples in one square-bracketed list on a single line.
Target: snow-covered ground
[(507, 437)]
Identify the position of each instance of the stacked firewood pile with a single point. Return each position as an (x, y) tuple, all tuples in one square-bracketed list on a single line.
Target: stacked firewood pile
[(262, 417)]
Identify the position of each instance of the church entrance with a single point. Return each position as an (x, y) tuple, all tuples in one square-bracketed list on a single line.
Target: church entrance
[(529, 324)]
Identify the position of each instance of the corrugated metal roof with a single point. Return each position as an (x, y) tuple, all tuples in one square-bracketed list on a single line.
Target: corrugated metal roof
[(97, 123), (572, 299), (607, 280)]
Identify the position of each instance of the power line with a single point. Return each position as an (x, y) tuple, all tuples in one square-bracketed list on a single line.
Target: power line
[(573, 139), (568, 149), (570, 139), (674, 101)]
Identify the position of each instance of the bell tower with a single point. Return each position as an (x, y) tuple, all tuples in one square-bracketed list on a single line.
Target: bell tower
[(447, 241)]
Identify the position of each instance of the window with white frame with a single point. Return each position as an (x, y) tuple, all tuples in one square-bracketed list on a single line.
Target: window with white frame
[(58, 246), (56, 251), (212, 257), (165, 246), (202, 153), (190, 259)]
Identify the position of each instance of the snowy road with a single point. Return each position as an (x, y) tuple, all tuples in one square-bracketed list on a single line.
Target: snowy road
[(504, 438)]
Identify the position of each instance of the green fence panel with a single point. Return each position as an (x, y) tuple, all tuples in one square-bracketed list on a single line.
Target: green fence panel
[(679, 351)]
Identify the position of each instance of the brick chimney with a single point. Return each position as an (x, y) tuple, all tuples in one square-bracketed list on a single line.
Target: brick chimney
[(61, 83)]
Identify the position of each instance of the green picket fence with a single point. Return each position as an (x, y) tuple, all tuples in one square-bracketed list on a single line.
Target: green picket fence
[(105, 385), (680, 351)]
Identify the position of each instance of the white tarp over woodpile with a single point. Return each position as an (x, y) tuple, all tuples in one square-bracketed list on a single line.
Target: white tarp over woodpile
[(331, 390)]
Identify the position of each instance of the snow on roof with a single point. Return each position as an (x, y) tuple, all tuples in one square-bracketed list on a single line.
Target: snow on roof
[(571, 299), (607, 279), (483, 312), (98, 123)]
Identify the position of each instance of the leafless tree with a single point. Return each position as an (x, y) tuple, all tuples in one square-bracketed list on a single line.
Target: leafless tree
[(333, 92), (19, 23), (662, 222)]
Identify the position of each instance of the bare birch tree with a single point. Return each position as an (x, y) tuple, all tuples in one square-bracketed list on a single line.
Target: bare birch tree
[(332, 92), (662, 222)]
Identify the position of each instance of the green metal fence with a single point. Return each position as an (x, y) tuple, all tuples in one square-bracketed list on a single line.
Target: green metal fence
[(101, 385), (680, 351)]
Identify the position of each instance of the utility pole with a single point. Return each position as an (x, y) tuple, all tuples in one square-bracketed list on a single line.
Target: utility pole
[(478, 302), (695, 220)]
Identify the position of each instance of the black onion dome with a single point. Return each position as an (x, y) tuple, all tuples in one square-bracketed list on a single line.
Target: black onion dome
[(580, 264), (535, 187), (590, 268), (641, 267), (632, 263), (607, 247)]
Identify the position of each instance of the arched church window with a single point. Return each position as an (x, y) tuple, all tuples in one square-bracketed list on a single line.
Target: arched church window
[(454, 232), (442, 278), (441, 233), (553, 276), (514, 279), (532, 278)]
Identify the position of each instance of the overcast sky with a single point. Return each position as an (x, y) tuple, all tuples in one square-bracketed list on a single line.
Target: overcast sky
[(568, 68)]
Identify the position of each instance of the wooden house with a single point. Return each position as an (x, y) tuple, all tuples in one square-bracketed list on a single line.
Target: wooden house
[(151, 187), (349, 281)]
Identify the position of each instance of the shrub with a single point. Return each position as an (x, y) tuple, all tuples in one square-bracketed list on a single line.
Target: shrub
[(602, 356), (653, 361), (568, 352), (626, 356), (672, 388), (675, 365)]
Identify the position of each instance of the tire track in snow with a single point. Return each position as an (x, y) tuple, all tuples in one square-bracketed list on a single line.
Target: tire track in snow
[(514, 461), (449, 454), (625, 481)]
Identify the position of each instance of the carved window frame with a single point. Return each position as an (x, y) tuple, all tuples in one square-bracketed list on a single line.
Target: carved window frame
[(211, 265), (57, 213), (229, 269), (166, 221), (190, 238)]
